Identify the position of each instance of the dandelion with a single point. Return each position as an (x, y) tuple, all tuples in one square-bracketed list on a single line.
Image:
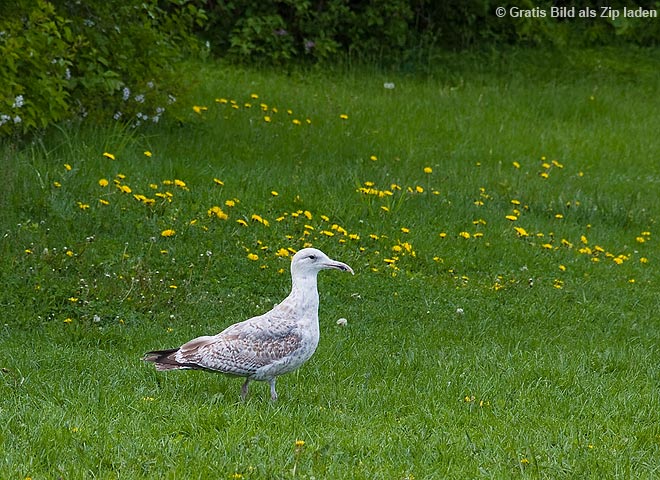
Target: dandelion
[(464, 235), (511, 218), (67, 167), (108, 155), (217, 181), (168, 233), (373, 158), (217, 212), (82, 206), (253, 256), (442, 234), (267, 119), (57, 184), (521, 231), (68, 320), (199, 109), (562, 268), (428, 170), (516, 164), (103, 201), (343, 116), (643, 260), (103, 182), (559, 216), (405, 230), (147, 153), (274, 193), (295, 121), (242, 222)]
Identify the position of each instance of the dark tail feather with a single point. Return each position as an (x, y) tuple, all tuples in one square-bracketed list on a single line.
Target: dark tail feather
[(164, 360)]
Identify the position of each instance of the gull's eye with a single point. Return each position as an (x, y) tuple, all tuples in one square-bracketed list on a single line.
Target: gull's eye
[(312, 257)]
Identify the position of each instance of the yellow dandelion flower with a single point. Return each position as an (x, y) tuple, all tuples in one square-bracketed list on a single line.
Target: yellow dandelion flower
[(300, 443), (384, 208), (103, 182), (282, 252), (515, 201), (516, 164), (544, 175), (442, 234), (464, 235), (103, 201), (147, 153), (562, 268), (68, 320), (254, 96), (242, 222), (108, 155), (199, 109), (343, 116), (521, 231), (67, 167), (267, 119), (405, 230), (559, 216), (643, 260), (373, 158), (168, 233), (253, 256), (428, 170), (295, 121), (217, 212), (547, 246), (511, 218)]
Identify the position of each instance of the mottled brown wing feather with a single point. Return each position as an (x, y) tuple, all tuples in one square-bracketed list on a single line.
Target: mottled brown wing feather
[(244, 347)]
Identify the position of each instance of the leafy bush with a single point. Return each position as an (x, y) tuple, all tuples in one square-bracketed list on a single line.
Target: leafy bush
[(277, 31), (95, 59)]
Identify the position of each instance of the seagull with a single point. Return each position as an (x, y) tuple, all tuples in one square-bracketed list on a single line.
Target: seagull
[(266, 346)]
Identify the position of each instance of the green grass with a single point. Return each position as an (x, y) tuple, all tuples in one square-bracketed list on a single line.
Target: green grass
[(550, 371)]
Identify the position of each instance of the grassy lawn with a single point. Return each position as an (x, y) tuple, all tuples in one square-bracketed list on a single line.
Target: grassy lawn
[(500, 214)]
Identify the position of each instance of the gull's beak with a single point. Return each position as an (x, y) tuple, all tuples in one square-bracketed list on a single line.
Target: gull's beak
[(339, 266)]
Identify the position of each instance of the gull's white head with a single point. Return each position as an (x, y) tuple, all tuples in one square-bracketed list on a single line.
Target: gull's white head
[(311, 261)]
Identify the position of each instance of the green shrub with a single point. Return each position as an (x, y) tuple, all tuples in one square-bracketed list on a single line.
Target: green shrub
[(97, 60), (277, 31)]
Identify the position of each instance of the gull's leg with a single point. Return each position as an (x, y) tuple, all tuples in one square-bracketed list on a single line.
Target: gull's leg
[(273, 393), (244, 389)]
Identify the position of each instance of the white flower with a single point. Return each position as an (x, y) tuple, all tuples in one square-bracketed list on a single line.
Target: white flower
[(388, 85), (342, 322), (17, 119), (18, 101), (126, 93), (139, 98), (459, 311)]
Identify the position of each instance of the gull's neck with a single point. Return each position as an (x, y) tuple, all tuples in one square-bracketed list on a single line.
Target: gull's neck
[(304, 292)]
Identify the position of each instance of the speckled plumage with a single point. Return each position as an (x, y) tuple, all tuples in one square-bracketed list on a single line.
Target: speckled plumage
[(266, 346)]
